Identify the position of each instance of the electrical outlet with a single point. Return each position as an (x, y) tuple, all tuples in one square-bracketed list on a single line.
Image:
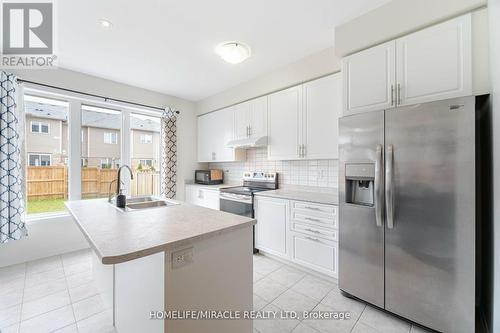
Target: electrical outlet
[(182, 257)]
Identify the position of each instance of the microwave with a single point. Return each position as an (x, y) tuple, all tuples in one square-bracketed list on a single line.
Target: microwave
[(209, 177)]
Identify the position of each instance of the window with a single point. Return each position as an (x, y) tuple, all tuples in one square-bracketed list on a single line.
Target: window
[(39, 127), (145, 158), (39, 159), (146, 138), (110, 138), (100, 149), (46, 155), (148, 163)]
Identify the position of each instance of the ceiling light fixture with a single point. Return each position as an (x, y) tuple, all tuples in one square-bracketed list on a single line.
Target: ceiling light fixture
[(233, 52), (105, 23)]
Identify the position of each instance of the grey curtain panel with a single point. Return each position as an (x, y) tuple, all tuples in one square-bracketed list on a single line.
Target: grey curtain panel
[(12, 203), (168, 166)]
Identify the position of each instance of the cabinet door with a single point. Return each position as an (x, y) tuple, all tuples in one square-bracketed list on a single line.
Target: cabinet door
[(283, 120), (258, 117), (209, 199), (272, 221), (435, 63), (206, 140), (241, 120), (369, 79), (316, 253), (223, 132), (322, 108)]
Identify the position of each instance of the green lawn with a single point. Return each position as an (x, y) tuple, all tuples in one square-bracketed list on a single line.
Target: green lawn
[(45, 206)]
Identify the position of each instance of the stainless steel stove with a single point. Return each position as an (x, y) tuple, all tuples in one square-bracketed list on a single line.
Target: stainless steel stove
[(240, 199)]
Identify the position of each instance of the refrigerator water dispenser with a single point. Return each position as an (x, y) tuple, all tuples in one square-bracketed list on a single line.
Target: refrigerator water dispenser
[(359, 184)]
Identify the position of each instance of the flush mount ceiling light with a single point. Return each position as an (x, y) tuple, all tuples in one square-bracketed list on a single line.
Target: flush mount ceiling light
[(105, 23), (233, 52)]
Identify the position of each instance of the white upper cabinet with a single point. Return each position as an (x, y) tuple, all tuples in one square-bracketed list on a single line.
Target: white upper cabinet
[(215, 130), (303, 120), (258, 117), (241, 120), (322, 108), (369, 79), (250, 119), (285, 108), (428, 65), (435, 63)]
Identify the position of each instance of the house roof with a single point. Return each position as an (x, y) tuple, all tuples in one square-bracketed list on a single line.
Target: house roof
[(89, 118)]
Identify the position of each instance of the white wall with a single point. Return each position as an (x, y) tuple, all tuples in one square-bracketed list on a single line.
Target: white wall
[(494, 14), (316, 65), (394, 19)]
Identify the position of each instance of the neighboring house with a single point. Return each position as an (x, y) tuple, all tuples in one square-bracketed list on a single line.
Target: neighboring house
[(47, 135)]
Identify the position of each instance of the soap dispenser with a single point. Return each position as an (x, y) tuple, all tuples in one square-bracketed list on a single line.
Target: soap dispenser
[(121, 199)]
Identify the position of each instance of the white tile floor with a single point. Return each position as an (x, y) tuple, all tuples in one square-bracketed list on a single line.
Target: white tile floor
[(57, 294)]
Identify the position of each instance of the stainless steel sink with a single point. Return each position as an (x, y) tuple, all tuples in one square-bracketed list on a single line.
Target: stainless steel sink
[(144, 202)]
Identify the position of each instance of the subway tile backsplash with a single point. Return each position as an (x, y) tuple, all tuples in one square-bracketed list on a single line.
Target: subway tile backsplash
[(320, 173)]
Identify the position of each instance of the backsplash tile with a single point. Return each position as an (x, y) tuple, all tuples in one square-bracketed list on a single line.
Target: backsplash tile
[(320, 173)]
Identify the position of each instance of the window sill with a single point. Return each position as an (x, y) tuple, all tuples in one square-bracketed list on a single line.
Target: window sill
[(42, 217)]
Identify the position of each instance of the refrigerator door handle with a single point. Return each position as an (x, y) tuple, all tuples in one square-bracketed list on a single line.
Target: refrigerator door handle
[(379, 196), (389, 187)]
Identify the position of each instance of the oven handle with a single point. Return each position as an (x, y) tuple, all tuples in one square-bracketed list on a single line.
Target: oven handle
[(235, 197)]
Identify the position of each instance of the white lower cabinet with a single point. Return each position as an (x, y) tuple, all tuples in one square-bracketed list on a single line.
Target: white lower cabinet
[(201, 196), (302, 232)]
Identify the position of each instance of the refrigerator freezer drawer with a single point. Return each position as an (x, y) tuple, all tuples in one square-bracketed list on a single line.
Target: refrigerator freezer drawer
[(318, 254)]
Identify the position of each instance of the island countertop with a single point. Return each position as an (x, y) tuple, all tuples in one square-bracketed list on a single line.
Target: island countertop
[(118, 236)]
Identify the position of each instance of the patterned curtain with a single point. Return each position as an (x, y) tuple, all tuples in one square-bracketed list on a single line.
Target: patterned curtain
[(168, 166), (12, 202)]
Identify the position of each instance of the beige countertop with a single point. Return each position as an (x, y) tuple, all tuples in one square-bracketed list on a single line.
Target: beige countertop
[(317, 195), (119, 236)]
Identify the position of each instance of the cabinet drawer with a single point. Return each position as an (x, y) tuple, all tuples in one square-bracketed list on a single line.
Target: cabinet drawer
[(317, 219), (315, 209), (310, 230), (315, 253)]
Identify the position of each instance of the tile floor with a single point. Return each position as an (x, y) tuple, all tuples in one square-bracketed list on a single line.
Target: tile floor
[(57, 294)]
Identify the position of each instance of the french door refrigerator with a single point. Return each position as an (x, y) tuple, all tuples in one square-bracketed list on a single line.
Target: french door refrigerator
[(407, 211)]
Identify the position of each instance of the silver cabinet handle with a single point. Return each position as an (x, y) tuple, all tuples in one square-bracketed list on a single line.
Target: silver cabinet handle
[(399, 94), (389, 186), (249, 130), (304, 152), (392, 95), (314, 231), (311, 219), (298, 150), (312, 238), (379, 196), (312, 208)]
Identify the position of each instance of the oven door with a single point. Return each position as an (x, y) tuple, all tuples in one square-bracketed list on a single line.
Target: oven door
[(237, 204)]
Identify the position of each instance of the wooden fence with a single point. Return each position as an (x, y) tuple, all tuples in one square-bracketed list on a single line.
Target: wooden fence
[(51, 182)]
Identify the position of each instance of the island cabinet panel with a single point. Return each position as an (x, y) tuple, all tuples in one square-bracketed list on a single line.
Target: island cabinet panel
[(218, 276), (139, 289)]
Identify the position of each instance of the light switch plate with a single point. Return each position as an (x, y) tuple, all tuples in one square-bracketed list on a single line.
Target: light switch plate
[(182, 257)]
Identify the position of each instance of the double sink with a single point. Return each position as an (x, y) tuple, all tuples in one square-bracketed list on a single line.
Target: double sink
[(144, 202)]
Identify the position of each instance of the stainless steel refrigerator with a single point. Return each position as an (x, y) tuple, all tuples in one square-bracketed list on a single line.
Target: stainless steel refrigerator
[(407, 211)]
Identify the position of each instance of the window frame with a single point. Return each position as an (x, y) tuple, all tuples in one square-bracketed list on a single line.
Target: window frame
[(144, 136), (113, 136), (40, 158), (39, 124)]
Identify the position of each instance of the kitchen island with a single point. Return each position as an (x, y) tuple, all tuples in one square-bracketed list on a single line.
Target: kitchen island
[(177, 257)]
